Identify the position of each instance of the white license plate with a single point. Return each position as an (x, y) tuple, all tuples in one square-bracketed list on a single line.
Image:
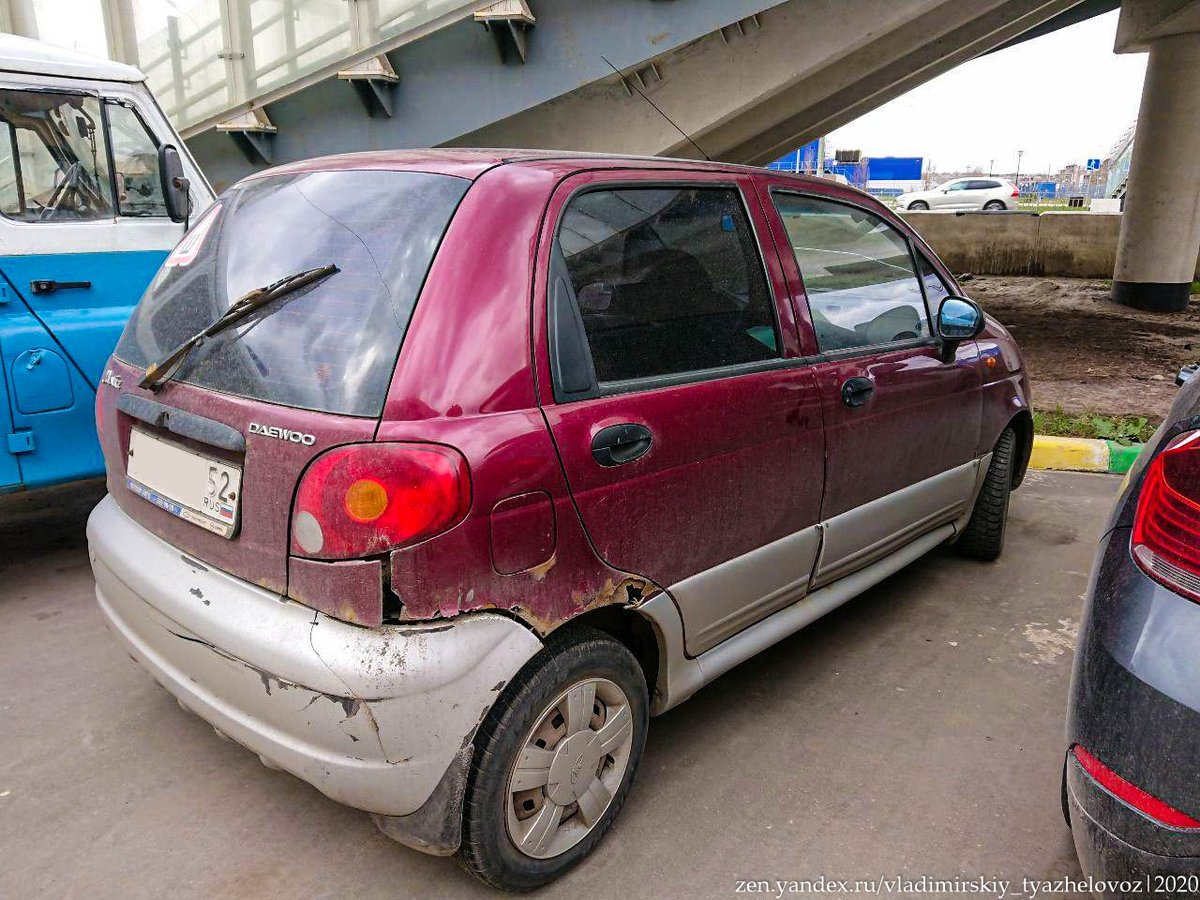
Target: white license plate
[(203, 490)]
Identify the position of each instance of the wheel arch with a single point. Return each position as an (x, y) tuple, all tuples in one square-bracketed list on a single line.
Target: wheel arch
[(626, 626), (1022, 424)]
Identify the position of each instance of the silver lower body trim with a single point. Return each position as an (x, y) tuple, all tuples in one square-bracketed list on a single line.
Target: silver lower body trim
[(681, 676)]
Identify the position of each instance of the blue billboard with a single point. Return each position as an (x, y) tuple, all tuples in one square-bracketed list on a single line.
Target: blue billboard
[(895, 168)]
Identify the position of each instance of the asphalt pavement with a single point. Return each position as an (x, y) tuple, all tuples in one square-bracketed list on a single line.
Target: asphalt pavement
[(916, 731)]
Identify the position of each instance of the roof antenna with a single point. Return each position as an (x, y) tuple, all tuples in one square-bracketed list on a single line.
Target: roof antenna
[(656, 109)]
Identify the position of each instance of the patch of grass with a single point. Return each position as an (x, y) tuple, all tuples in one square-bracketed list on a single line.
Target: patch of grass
[(1195, 288), (1122, 429)]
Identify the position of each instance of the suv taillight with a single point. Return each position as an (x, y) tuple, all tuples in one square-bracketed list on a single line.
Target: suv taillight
[(1016, 193), (364, 499), (1166, 529)]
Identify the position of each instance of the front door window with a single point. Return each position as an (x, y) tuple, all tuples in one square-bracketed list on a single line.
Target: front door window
[(858, 274), (53, 157)]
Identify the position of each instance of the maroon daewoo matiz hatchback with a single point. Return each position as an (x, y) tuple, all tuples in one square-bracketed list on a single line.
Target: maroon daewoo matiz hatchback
[(433, 474)]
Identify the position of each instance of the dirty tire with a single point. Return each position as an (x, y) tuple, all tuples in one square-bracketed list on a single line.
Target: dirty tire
[(983, 538), (487, 851), (918, 206), (994, 204)]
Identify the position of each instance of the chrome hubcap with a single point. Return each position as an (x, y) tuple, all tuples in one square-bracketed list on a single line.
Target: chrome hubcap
[(569, 768)]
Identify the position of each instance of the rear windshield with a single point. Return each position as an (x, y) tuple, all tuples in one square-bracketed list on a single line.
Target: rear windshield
[(329, 347)]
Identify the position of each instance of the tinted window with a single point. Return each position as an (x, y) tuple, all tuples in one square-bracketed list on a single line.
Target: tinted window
[(858, 274), (667, 280), (958, 186), (984, 185), (331, 346), (135, 161), (53, 160)]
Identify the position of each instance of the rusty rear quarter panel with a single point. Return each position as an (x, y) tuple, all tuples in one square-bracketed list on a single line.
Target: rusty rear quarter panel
[(465, 379)]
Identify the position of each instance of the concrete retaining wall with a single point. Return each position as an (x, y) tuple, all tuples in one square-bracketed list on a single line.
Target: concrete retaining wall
[(1076, 245)]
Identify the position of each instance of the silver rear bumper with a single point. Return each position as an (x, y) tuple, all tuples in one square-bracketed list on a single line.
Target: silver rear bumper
[(372, 718)]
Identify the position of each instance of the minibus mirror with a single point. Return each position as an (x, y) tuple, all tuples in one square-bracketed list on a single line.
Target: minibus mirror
[(174, 184)]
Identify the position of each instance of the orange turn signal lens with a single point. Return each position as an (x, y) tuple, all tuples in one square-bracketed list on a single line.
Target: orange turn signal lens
[(366, 500)]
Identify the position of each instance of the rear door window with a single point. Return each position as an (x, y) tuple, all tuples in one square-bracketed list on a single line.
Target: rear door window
[(858, 274), (667, 280), (331, 346)]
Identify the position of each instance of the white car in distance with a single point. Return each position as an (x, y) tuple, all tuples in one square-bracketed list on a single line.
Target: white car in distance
[(963, 193)]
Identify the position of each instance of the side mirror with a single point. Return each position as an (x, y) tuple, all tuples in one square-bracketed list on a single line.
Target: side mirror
[(174, 184), (958, 319)]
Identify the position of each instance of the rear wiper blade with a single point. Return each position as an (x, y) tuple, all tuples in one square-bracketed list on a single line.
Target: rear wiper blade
[(161, 372)]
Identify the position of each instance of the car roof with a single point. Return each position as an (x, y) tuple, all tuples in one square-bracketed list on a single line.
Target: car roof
[(471, 162), (20, 54)]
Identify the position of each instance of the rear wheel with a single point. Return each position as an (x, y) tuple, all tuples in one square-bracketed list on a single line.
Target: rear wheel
[(994, 205), (983, 538), (918, 205), (554, 761)]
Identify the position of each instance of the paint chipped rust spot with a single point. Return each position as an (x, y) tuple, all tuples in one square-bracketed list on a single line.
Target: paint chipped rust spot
[(538, 572), (628, 590)]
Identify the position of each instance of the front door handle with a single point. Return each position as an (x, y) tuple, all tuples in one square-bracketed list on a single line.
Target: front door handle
[(857, 391), (618, 444), (49, 285)]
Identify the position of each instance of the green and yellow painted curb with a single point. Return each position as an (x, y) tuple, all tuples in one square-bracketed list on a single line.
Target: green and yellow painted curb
[(1082, 454)]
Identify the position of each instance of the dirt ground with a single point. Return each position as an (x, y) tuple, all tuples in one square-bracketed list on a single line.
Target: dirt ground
[(1086, 353)]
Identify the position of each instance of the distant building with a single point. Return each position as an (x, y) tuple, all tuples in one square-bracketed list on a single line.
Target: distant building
[(886, 176)]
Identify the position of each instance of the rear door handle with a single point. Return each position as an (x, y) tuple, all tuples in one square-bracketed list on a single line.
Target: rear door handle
[(49, 285), (618, 444), (857, 391)]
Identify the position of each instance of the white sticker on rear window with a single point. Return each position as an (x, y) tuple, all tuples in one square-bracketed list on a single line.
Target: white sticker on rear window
[(185, 251)]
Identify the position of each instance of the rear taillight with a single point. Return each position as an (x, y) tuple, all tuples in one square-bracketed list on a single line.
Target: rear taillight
[(1132, 794), (1015, 193), (1166, 529), (364, 499)]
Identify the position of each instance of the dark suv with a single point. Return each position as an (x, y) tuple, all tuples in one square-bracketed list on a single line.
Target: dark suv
[(1130, 792), (433, 474)]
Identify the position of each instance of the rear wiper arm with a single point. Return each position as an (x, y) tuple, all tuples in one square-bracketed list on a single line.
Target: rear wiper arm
[(161, 372)]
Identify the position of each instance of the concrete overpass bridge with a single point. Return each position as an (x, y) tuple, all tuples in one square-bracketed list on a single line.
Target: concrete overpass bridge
[(255, 82), (252, 83)]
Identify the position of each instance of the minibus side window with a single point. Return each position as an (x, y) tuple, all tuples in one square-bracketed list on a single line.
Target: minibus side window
[(53, 157), (135, 161)]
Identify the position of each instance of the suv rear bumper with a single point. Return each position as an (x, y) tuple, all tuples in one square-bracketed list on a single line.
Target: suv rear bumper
[(373, 718), (1135, 706), (1107, 833)]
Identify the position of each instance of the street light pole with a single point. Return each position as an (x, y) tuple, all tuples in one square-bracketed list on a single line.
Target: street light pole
[(991, 167), (1020, 153)]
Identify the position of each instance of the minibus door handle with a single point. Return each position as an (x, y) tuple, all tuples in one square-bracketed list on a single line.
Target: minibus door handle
[(49, 285)]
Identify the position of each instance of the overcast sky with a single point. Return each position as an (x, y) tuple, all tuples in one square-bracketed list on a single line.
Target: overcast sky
[(1061, 98)]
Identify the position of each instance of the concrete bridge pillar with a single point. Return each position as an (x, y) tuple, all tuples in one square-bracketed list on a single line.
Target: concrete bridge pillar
[(1160, 230)]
